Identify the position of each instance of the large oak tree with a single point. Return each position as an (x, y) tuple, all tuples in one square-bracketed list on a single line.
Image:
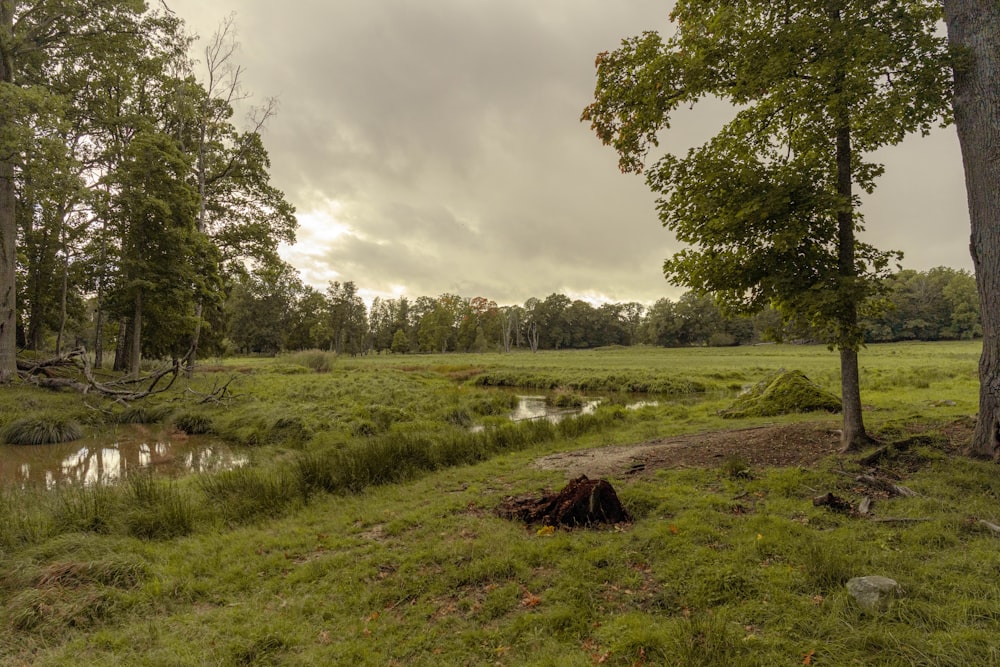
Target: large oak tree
[(974, 29)]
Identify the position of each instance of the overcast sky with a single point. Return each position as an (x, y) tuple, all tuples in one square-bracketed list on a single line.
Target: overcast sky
[(434, 146)]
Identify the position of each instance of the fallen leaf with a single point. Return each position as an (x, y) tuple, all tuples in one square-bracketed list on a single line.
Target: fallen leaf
[(807, 659), (546, 530), (530, 600)]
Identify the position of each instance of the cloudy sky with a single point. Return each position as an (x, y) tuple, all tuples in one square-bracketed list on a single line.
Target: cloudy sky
[(434, 146)]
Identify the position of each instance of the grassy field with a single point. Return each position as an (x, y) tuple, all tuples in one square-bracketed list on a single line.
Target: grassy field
[(364, 532)]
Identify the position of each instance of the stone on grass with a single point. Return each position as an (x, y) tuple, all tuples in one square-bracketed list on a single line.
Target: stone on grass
[(783, 393), (873, 593)]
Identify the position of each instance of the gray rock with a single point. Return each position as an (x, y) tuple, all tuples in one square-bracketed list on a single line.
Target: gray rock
[(873, 593)]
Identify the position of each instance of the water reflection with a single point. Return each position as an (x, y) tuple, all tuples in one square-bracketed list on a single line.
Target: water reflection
[(111, 457), (536, 407)]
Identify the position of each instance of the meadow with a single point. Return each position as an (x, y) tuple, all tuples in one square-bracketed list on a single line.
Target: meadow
[(364, 531)]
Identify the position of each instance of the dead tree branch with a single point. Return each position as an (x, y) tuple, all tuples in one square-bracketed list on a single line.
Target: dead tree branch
[(42, 374)]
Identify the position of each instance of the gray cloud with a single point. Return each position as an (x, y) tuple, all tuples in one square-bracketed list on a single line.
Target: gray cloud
[(447, 134)]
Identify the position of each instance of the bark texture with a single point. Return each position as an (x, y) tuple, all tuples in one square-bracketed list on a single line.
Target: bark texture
[(974, 27), (8, 224)]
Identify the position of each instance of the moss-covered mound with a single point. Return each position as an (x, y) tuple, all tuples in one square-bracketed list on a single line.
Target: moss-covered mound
[(783, 393)]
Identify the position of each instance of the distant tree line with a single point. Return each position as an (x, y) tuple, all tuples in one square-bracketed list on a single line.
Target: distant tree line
[(272, 311)]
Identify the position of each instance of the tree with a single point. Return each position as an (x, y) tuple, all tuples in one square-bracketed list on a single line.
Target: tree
[(34, 35), (974, 29), (243, 214), (166, 265), (768, 205), (260, 308), (348, 318), (307, 321), (400, 342)]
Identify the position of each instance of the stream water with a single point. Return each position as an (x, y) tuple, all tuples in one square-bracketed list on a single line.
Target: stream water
[(112, 457)]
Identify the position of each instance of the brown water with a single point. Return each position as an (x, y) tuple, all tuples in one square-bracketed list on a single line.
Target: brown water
[(110, 457)]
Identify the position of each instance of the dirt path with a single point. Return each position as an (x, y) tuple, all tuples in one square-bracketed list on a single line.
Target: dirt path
[(772, 446)]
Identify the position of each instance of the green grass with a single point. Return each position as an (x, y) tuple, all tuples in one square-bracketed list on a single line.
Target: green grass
[(364, 531), (42, 430)]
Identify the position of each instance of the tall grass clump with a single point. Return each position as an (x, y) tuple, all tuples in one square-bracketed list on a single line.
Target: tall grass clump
[(193, 423), (87, 509), (396, 457), (317, 360), (241, 495), (143, 413), (42, 430), (157, 509), (23, 519)]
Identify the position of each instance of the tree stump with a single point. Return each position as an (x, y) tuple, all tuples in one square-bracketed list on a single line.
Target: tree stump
[(582, 502)]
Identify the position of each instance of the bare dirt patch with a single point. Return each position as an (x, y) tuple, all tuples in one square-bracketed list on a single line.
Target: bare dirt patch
[(775, 446), (763, 446)]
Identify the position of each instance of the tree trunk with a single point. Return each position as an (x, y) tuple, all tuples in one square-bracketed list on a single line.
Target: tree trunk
[(974, 27), (63, 291), (136, 357), (853, 436), (8, 222), (121, 363), (99, 335), (195, 340)]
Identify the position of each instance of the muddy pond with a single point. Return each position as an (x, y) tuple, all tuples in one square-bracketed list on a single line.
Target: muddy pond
[(111, 457)]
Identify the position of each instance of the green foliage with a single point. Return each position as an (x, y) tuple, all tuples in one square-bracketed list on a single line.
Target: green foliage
[(780, 394), (767, 205), (42, 430), (940, 304)]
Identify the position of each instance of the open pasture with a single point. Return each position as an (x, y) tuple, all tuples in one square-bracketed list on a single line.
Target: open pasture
[(363, 530)]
